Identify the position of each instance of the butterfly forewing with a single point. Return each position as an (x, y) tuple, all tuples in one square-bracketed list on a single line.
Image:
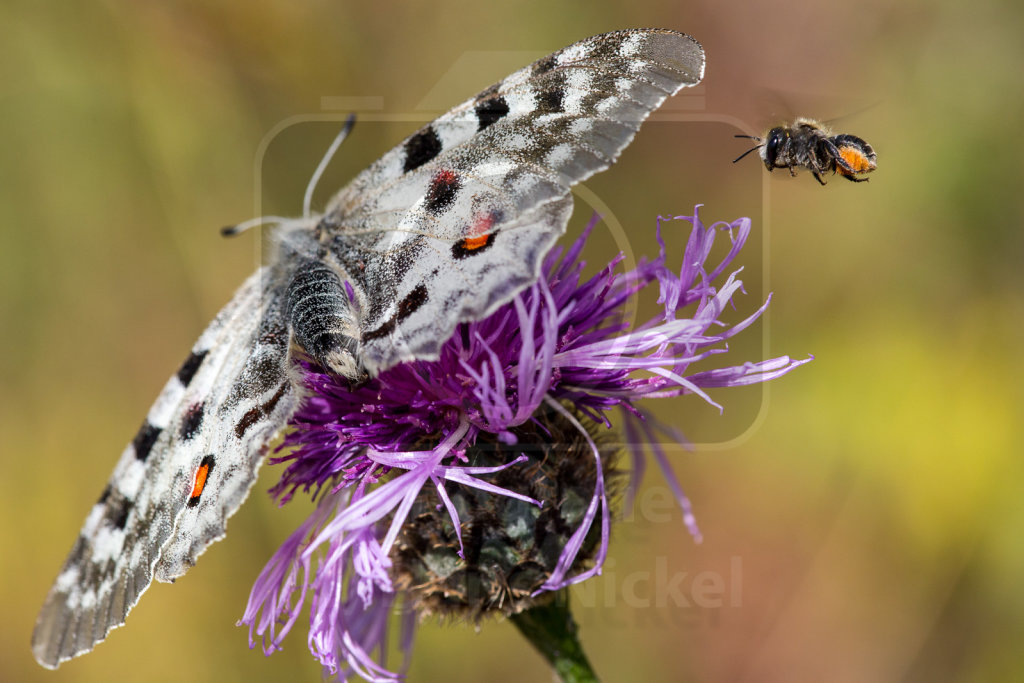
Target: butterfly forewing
[(426, 232)]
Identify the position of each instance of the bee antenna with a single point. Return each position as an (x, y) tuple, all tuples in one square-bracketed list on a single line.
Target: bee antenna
[(748, 137), (748, 151)]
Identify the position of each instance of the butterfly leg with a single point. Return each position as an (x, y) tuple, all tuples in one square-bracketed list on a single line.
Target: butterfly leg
[(322, 319)]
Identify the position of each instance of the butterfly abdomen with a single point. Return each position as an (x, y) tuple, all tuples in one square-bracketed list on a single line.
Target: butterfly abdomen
[(321, 318)]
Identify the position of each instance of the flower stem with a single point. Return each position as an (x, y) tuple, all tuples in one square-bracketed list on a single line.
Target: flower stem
[(551, 629)]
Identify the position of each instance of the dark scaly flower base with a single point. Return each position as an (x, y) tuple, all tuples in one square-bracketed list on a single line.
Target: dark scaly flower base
[(509, 547)]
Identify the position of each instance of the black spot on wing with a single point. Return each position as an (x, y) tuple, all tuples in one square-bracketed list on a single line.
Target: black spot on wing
[(144, 440), (469, 246), (421, 148), (104, 496), (443, 188), (192, 421), (254, 415), (551, 100), (250, 418), (190, 367), (117, 511), (272, 402), (490, 111), (406, 307)]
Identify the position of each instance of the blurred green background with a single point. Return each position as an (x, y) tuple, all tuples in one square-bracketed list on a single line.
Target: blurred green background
[(862, 518)]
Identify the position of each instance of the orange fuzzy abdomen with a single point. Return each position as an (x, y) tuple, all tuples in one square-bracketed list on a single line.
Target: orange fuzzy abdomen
[(858, 161)]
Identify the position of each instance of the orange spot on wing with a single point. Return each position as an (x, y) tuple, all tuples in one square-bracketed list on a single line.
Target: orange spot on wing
[(475, 242), (858, 161), (200, 482), (479, 232)]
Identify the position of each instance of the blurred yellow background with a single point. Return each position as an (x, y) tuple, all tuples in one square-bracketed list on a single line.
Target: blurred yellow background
[(865, 523)]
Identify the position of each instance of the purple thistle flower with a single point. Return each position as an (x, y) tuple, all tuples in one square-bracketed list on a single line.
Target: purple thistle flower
[(426, 469)]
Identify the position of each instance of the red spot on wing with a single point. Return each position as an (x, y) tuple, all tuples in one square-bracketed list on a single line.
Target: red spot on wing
[(481, 225), (444, 187), (445, 177)]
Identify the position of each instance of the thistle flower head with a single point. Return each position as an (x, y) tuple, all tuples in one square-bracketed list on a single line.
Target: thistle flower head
[(481, 482)]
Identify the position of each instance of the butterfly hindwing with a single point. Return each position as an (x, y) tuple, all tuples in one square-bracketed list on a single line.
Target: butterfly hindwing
[(213, 416), (455, 220)]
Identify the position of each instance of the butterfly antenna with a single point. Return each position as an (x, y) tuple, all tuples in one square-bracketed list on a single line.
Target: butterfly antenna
[(232, 230), (748, 151), (345, 130)]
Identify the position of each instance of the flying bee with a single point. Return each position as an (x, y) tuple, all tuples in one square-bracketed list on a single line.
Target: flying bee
[(811, 145)]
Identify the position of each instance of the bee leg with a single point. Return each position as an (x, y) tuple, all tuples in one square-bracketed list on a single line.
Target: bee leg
[(816, 170), (840, 161), (792, 171), (854, 178)]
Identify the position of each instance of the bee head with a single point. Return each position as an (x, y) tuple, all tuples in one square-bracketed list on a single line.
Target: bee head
[(774, 142)]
